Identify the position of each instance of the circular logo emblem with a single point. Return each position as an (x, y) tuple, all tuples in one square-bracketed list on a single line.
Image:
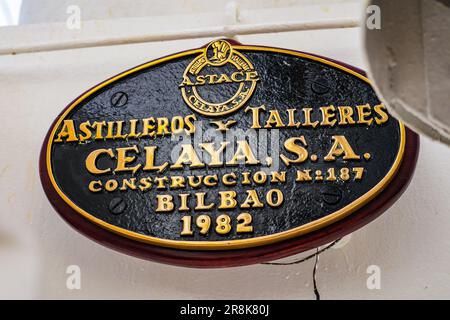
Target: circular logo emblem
[(219, 81)]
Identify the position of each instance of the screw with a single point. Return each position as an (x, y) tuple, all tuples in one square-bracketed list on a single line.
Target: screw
[(331, 195), (119, 99), (117, 206), (320, 86)]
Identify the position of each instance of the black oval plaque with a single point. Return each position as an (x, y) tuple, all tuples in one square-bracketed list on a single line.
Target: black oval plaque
[(220, 148)]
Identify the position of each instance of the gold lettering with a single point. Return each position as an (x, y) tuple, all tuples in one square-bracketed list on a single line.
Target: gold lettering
[(123, 159), (214, 154), (252, 200), (227, 199), (327, 114), (274, 118), (188, 155), (270, 197), (345, 115), (243, 154), (201, 202), (380, 110), (363, 112), (255, 115), (164, 203), (92, 185)]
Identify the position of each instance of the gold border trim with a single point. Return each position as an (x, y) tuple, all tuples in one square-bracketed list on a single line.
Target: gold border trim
[(230, 244)]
